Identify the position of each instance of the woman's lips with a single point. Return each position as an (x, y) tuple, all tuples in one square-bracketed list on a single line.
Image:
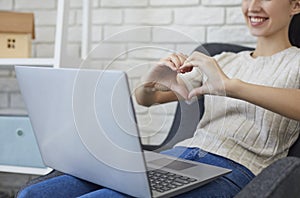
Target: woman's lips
[(257, 21)]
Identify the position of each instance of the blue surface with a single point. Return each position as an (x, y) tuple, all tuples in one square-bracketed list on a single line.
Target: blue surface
[(18, 146)]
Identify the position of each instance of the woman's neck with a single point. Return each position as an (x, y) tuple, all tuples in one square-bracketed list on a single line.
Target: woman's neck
[(269, 46)]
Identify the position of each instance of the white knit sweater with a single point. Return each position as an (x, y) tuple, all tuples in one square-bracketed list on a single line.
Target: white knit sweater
[(238, 130)]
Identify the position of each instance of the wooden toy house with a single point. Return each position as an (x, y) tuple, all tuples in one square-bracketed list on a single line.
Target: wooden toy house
[(16, 34)]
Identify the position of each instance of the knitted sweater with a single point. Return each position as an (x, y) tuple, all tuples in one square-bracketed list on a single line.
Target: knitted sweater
[(238, 130)]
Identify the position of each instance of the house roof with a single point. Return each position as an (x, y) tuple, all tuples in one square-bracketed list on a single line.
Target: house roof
[(17, 22)]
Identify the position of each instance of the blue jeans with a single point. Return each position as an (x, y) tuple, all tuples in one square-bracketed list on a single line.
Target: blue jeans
[(226, 186)]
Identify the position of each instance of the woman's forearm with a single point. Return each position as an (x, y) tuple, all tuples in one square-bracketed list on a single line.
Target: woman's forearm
[(144, 96), (279, 100), (147, 96)]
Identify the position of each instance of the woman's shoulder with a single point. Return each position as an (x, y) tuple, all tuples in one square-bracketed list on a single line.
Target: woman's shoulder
[(294, 50), (226, 57), (292, 54), (231, 54)]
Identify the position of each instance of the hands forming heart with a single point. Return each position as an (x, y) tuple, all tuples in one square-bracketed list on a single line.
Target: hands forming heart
[(216, 78), (164, 76)]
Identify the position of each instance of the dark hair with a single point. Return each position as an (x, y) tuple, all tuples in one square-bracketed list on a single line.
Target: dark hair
[(294, 31)]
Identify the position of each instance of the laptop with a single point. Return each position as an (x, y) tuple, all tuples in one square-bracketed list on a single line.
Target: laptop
[(85, 125)]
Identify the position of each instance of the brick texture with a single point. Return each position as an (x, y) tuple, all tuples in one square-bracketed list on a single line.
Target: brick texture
[(200, 16), (6, 5), (25, 4), (124, 3), (168, 3)]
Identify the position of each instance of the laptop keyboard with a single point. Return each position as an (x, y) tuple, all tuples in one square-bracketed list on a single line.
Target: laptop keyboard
[(162, 181)]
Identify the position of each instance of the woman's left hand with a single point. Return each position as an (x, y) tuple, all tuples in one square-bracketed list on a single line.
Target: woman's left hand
[(216, 79)]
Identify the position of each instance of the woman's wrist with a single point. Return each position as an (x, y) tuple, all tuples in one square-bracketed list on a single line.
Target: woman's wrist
[(148, 87), (233, 87)]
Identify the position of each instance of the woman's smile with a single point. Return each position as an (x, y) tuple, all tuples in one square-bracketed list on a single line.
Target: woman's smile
[(257, 20)]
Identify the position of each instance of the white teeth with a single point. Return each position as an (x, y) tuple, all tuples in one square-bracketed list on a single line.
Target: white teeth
[(257, 19)]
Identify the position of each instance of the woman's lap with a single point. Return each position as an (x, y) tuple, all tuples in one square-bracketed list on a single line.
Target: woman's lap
[(60, 186), (240, 175), (225, 186)]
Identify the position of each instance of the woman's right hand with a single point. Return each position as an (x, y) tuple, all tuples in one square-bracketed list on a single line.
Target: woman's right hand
[(163, 76)]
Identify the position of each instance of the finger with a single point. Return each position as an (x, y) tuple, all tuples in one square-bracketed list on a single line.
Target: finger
[(167, 63), (182, 58), (186, 70), (174, 58), (180, 91), (186, 67)]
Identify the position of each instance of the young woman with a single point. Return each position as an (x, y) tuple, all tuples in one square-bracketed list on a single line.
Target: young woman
[(252, 102)]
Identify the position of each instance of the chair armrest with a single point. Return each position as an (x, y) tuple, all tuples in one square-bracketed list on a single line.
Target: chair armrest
[(185, 122), (280, 179)]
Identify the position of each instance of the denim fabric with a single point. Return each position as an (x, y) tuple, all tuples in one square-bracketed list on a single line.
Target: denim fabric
[(225, 186)]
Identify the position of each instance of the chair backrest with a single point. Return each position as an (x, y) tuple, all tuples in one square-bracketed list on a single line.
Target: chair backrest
[(294, 36), (186, 119), (294, 31)]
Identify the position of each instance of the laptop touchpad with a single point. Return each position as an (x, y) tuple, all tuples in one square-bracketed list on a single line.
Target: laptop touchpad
[(171, 164)]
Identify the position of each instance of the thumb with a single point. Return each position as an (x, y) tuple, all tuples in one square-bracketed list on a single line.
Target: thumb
[(181, 90), (195, 92)]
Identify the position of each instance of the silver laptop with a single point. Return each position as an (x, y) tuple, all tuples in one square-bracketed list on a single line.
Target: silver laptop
[(85, 126)]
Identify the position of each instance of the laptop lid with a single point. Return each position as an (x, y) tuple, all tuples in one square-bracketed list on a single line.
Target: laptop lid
[(84, 125)]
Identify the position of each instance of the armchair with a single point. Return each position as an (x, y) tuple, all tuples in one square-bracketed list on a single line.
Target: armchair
[(280, 179)]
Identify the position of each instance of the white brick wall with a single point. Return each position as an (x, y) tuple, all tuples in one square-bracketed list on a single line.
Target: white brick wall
[(148, 16), (221, 2), (168, 3), (3, 100), (141, 31), (6, 5), (127, 34), (122, 3), (107, 16), (33, 5), (200, 16)]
